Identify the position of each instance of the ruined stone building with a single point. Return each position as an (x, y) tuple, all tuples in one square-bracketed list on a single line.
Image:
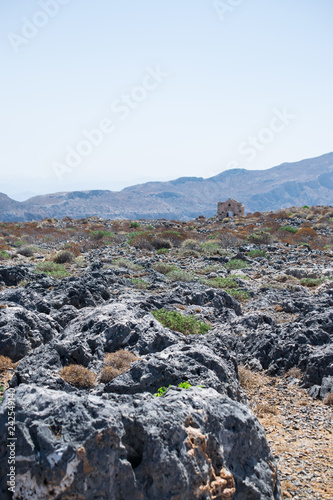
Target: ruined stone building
[(230, 208)]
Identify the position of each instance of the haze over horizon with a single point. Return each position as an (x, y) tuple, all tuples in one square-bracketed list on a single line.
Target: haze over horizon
[(177, 89)]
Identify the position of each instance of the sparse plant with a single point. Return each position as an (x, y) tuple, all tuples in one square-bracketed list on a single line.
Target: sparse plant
[(163, 268), (78, 376), (63, 257), (179, 275), (127, 264), (100, 235), (26, 252), (4, 255), (295, 373), (311, 282), (140, 284), (5, 364), (116, 363), (328, 400), (248, 379), (220, 282), (289, 229), (236, 264), (257, 253), (188, 325), (259, 237), (52, 269), (134, 225)]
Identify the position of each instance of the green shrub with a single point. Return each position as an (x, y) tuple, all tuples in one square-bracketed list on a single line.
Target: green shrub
[(189, 325), (212, 248), (220, 282), (140, 284), (2, 390), (311, 282), (240, 295), (236, 264), (163, 268), (257, 253), (4, 255), (52, 269), (134, 225), (179, 275), (289, 229), (100, 235), (162, 390), (162, 251), (259, 237), (305, 206), (214, 268)]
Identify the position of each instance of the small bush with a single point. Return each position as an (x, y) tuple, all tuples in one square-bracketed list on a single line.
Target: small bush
[(311, 282), (240, 295), (191, 245), (236, 264), (116, 363), (160, 243), (78, 376), (134, 225), (127, 264), (162, 251), (108, 373), (257, 253), (247, 379), (26, 252), (120, 359), (179, 275), (5, 363), (328, 400), (162, 268), (52, 269), (100, 235), (289, 229), (260, 237), (295, 373), (4, 255), (140, 284), (63, 257), (220, 282), (189, 325)]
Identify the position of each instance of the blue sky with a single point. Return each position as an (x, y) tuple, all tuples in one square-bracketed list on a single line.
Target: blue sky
[(239, 84)]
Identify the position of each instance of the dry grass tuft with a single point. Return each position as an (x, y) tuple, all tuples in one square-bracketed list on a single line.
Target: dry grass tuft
[(78, 376), (116, 363), (248, 379), (5, 364), (328, 400), (295, 373)]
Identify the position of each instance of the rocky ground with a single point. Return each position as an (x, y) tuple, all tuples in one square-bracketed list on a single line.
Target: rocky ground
[(169, 360)]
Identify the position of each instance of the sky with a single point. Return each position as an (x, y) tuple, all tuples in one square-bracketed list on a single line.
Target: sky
[(106, 94)]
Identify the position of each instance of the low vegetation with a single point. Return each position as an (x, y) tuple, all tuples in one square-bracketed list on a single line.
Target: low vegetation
[(188, 325), (78, 376)]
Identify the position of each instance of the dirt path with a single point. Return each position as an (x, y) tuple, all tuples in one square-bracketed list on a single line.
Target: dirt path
[(299, 432)]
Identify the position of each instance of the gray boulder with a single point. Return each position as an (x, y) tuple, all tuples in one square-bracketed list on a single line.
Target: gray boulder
[(188, 444)]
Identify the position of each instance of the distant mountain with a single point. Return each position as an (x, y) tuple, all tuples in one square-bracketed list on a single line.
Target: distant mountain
[(308, 182)]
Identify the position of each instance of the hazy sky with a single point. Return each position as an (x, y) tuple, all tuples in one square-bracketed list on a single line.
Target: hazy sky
[(100, 95)]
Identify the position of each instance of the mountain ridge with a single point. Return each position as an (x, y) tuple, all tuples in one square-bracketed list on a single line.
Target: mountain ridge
[(308, 181)]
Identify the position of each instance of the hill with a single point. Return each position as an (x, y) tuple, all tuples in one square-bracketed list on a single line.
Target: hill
[(307, 182)]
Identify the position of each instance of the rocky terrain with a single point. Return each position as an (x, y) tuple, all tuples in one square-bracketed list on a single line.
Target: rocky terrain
[(308, 181), (166, 359)]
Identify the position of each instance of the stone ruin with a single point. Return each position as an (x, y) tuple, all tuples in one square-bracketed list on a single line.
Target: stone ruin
[(230, 208)]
